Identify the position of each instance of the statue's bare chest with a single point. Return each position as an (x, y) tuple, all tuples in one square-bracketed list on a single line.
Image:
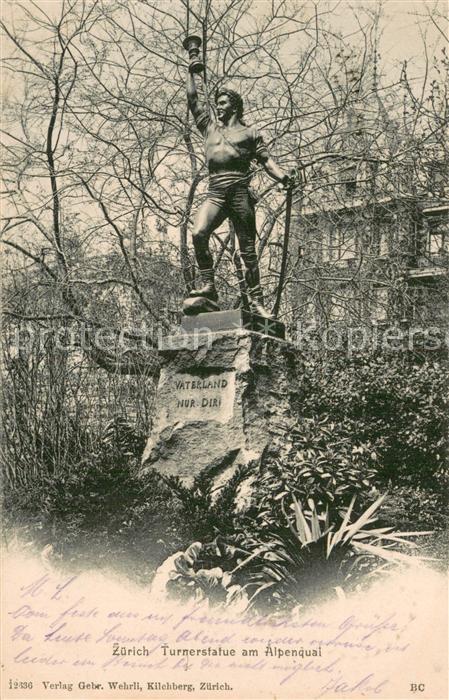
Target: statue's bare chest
[(240, 137)]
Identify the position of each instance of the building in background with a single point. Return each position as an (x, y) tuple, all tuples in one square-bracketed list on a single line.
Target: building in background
[(371, 236)]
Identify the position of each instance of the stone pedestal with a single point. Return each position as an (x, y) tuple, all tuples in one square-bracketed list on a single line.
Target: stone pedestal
[(223, 398), (232, 320)]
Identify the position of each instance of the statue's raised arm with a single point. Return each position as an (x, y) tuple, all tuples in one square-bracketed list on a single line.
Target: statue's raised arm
[(199, 110)]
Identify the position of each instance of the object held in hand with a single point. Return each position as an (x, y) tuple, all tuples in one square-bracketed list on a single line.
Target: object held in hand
[(290, 180), (192, 44)]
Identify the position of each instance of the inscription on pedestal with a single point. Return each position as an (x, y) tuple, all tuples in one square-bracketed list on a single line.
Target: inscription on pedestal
[(201, 398)]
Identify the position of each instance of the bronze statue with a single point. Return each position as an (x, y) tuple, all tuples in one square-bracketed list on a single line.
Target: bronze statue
[(230, 147)]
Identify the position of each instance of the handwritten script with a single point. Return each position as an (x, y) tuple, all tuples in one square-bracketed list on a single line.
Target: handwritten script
[(63, 630)]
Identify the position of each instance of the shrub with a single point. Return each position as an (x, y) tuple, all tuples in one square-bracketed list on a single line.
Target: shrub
[(104, 514), (100, 515), (367, 424), (192, 574), (304, 556), (398, 407), (411, 508), (324, 463), (308, 552)]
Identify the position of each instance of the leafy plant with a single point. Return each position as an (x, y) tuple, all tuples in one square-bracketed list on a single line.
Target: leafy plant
[(306, 556), (397, 407), (184, 575), (119, 435), (415, 507), (103, 513), (307, 553), (324, 463)]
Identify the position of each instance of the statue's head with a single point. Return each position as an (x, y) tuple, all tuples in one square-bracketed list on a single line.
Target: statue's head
[(234, 99)]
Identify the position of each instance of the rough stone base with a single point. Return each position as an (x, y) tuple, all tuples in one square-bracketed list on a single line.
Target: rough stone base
[(223, 400)]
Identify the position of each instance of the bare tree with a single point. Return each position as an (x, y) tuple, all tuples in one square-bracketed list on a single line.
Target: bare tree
[(103, 169)]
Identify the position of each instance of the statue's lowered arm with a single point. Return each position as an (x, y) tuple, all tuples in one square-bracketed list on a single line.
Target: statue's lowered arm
[(274, 171)]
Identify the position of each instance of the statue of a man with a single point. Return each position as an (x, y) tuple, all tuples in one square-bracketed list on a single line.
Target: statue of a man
[(230, 147)]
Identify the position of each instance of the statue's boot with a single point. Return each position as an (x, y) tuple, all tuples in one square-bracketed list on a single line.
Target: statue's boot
[(256, 302), (208, 289)]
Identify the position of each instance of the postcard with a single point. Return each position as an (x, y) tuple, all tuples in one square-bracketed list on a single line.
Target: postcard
[(89, 636), (225, 249)]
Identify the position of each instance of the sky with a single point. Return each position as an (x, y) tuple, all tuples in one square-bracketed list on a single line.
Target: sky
[(405, 22), (401, 33)]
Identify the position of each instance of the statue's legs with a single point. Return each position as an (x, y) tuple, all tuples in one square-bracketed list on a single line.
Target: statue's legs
[(210, 216), (242, 215), (227, 199)]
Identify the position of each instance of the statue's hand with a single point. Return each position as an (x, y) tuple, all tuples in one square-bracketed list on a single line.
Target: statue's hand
[(196, 67), (288, 181)]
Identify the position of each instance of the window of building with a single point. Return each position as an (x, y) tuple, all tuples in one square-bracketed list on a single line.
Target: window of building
[(437, 179), (341, 304), (337, 310), (329, 245), (427, 303), (375, 239), (345, 244), (380, 304), (384, 235), (349, 178), (437, 237), (307, 312), (372, 173), (382, 243)]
